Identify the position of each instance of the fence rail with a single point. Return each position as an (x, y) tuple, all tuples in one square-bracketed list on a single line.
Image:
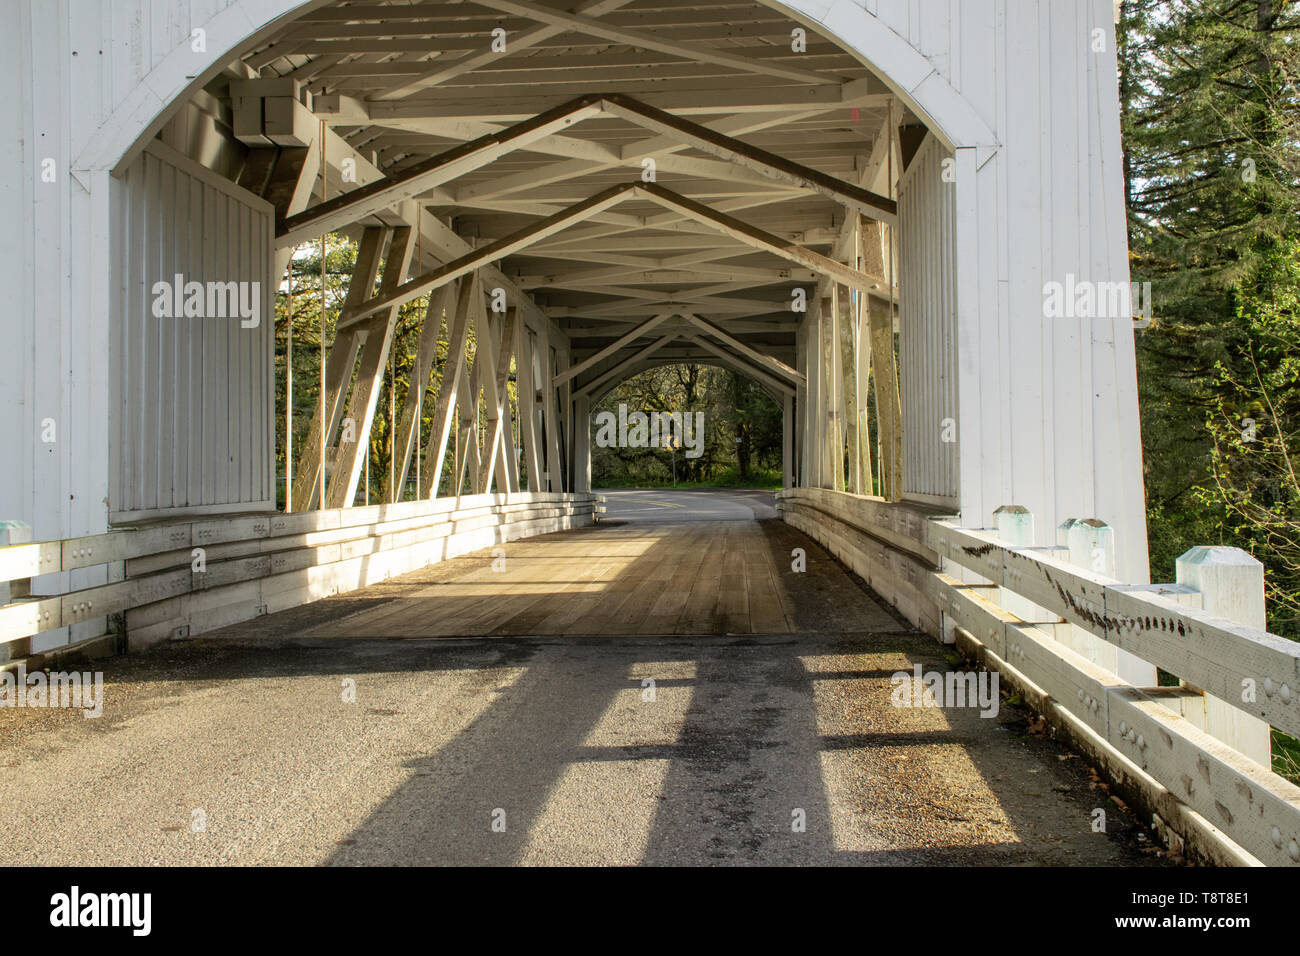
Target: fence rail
[(286, 558), (1202, 781)]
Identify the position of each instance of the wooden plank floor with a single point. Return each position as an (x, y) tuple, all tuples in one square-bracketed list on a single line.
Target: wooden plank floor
[(618, 578)]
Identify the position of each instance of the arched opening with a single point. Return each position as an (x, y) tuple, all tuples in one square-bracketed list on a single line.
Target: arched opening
[(686, 425), (576, 189)]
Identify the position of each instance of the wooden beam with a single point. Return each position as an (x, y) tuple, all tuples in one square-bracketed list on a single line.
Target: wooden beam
[(650, 41), (493, 251), (683, 98), (453, 370), (752, 157), (760, 239), (522, 41), (660, 148), (743, 366), (359, 203), (889, 419), (613, 347), (772, 364), (507, 351), (611, 374), (550, 414), (833, 395), (527, 392), (426, 353), (350, 461), (339, 367)]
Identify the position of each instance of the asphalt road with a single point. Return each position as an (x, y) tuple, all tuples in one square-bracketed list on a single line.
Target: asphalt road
[(254, 746)]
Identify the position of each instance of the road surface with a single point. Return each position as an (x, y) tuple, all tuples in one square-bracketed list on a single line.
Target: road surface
[(661, 689)]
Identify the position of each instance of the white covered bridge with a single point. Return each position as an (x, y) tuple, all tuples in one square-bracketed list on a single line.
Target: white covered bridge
[(862, 205)]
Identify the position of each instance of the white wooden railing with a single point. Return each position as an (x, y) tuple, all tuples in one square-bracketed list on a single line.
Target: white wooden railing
[(185, 577), (1045, 624)]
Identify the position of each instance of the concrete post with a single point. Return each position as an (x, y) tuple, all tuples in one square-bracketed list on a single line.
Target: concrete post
[(1231, 583)]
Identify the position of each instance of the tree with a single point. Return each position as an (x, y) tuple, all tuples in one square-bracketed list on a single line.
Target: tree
[(1210, 120)]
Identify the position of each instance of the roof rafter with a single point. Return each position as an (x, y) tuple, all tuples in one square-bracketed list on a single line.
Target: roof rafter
[(588, 9), (649, 41)]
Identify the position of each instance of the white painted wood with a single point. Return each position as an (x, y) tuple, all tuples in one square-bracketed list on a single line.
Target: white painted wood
[(193, 427), (928, 324), (1253, 807), (1231, 583), (1029, 115)]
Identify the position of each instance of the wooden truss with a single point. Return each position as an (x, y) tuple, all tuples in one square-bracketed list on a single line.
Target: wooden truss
[(742, 183)]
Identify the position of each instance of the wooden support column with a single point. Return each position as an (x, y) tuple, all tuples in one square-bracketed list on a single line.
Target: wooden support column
[(284, 177), (832, 448), (550, 414), (408, 425), (861, 386), (378, 332), (493, 369), (508, 460), (468, 457), (527, 388), (568, 434), (787, 442), (847, 357), (815, 417), (582, 443), (338, 372), (889, 418), (444, 411), (799, 449)]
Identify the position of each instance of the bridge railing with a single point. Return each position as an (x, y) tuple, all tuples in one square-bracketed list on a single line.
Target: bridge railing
[(181, 578), (1025, 615)]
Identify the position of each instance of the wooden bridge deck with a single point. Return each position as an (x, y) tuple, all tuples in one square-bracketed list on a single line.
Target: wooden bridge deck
[(671, 576), (769, 734)]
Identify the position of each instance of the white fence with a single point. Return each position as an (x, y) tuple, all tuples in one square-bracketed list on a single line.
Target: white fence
[(1047, 625), (182, 578)]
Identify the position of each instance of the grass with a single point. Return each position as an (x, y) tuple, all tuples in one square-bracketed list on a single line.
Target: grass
[(1286, 756)]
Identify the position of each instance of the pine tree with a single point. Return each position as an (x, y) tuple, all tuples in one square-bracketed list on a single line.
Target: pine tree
[(1210, 123)]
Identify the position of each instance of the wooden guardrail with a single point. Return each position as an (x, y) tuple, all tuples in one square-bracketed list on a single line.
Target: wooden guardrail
[(185, 577), (1201, 786)]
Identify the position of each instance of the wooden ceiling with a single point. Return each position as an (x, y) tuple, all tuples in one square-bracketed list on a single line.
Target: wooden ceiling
[(404, 81)]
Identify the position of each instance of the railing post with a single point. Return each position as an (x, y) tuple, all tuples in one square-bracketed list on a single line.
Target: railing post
[(1092, 546), (1231, 583), (15, 532), (1014, 524)]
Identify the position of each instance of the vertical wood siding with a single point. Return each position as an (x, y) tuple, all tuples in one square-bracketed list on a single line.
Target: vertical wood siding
[(194, 404), (928, 325)]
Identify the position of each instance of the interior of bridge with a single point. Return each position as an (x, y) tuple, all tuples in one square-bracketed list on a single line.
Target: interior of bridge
[(648, 182)]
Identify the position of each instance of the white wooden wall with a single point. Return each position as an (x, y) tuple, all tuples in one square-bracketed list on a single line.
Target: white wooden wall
[(1048, 413), (194, 399), (927, 346)]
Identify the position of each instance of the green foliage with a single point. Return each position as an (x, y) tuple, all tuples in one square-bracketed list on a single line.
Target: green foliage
[(302, 290), (1212, 164), (1253, 427), (742, 431)]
